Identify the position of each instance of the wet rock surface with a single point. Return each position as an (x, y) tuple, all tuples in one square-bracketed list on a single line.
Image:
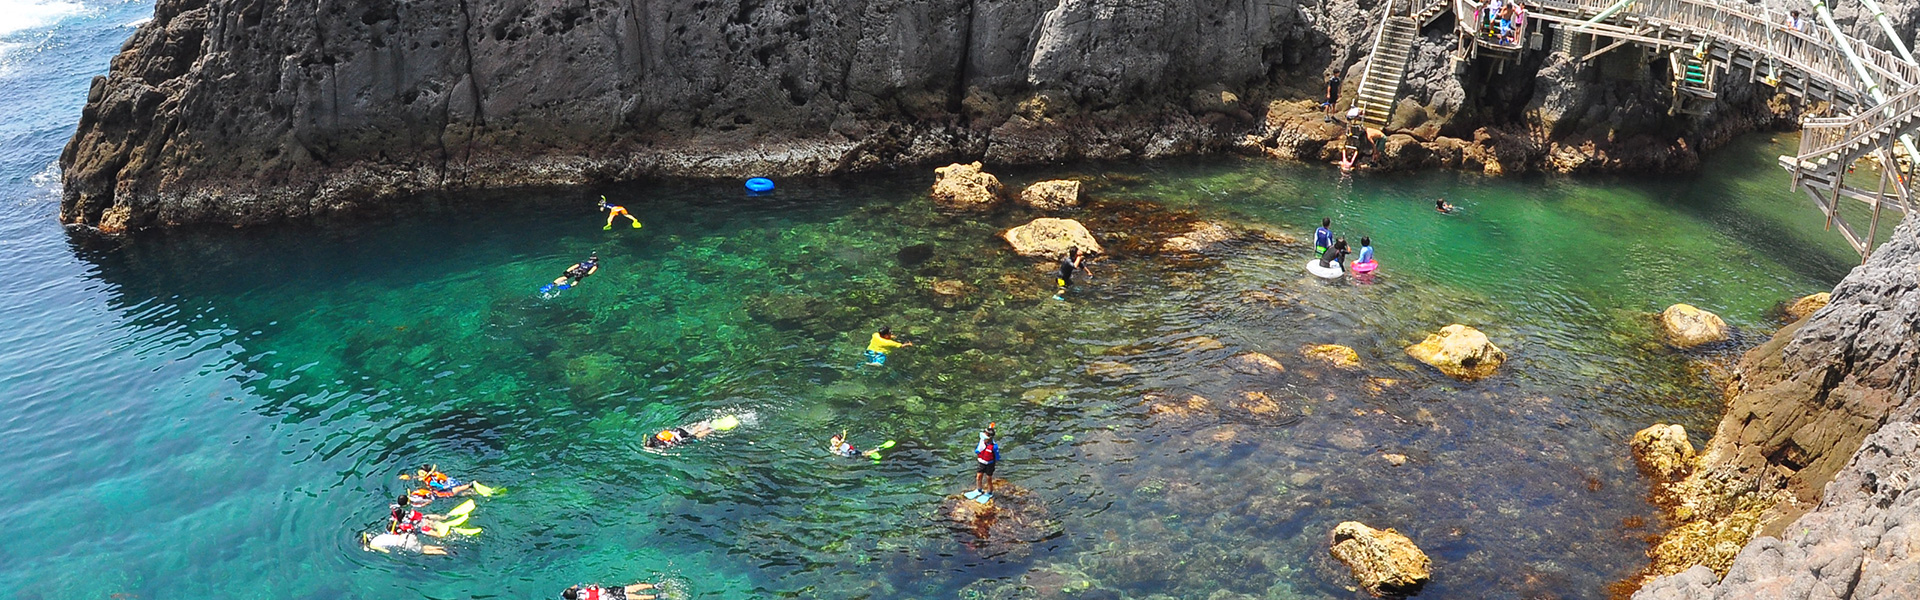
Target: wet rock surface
[(1803, 492), (1051, 195), (1385, 563), (1806, 305), (1687, 326), (965, 187), (1051, 238), (1663, 451), (1013, 519), (1461, 352)]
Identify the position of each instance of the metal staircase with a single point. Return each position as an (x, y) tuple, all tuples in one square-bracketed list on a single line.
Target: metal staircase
[(1387, 64), (1692, 81)]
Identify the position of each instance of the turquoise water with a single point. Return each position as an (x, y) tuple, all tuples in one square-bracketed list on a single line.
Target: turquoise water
[(217, 413)]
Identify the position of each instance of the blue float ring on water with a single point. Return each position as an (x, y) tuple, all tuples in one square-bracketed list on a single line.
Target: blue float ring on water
[(759, 185)]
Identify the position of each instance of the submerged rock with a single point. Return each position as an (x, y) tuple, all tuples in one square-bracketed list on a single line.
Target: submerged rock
[(1460, 351), (1255, 363), (966, 187), (1194, 404), (1108, 370), (1050, 238), (1806, 305), (1203, 236), (1052, 195), (1687, 326), (1385, 563), (1663, 452), (1013, 518), (953, 293), (1338, 356)]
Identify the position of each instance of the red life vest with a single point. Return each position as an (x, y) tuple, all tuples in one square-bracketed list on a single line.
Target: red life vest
[(591, 592), (989, 454)]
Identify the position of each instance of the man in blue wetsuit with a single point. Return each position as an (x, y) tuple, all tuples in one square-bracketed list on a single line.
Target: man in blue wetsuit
[(1323, 237)]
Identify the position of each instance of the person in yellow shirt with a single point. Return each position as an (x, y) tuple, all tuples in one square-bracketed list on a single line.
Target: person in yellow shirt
[(882, 344)]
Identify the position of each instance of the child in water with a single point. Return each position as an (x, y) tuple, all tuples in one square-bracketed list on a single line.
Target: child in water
[(838, 445), (881, 345), (1440, 204), (1335, 255), (600, 592), (1366, 250)]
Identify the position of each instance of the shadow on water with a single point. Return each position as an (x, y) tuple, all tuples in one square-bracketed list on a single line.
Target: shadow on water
[(1163, 459)]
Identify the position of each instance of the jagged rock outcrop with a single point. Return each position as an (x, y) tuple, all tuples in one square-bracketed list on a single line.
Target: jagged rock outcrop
[(1686, 326), (1663, 451), (234, 111), (1051, 238), (1384, 562), (965, 187), (1822, 418), (1461, 352), (1051, 195)]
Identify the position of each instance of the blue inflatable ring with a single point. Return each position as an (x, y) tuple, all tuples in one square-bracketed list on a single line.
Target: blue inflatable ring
[(759, 185)]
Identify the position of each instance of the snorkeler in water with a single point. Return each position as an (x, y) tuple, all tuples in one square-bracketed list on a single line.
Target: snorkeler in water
[(674, 436), (881, 345), (616, 211), (600, 592), (404, 526), (1072, 261), (1440, 204), (839, 445), (438, 484), (578, 272)]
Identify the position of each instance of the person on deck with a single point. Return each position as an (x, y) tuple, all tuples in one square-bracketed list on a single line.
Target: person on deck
[(599, 592), (881, 345), (616, 211)]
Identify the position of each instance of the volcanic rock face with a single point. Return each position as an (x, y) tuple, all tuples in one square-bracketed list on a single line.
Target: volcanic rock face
[(1816, 454), (237, 111)]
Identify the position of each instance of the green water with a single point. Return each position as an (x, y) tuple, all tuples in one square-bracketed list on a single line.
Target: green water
[(217, 413)]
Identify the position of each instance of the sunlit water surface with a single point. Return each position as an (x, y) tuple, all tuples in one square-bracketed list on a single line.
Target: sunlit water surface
[(217, 413)]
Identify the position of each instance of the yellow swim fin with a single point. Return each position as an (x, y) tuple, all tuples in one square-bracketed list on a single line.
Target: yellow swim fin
[(483, 490), (463, 508), (636, 224), (467, 530), (454, 522)]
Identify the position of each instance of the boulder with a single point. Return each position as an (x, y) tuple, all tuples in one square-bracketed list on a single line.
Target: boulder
[(1050, 238), (966, 187), (1805, 306), (1663, 452), (1203, 236), (1336, 355), (1057, 194), (1460, 351), (1688, 327), (1385, 563), (1014, 518)]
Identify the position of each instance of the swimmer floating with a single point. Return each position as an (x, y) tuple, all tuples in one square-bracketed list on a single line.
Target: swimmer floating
[(616, 211)]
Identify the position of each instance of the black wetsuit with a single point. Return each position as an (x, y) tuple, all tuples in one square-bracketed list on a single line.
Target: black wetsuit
[(1066, 271), (1337, 254), (580, 271), (679, 435), (1333, 89)]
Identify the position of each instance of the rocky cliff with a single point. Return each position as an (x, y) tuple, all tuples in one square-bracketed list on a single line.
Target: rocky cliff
[(1811, 486), (241, 111)]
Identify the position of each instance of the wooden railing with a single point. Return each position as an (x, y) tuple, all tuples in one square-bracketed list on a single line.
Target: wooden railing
[(1843, 136)]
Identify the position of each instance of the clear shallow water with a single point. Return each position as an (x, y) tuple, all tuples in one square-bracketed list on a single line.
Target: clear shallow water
[(214, 413)]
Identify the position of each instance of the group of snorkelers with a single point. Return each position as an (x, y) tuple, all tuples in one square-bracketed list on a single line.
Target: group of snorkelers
[(406, 523)]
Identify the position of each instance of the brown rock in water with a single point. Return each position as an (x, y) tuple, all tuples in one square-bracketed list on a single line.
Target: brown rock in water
[(1255, 363), (1195, 404), (1050, 238), (966, 187), (1336, 355), (1687, 326), (1385, 563), (1258, 404), (1015, 517), (1460, 351), (1203, 236), (1806, 305), (1108, 370), (1053, 195), (1663, 452), (953, 293)]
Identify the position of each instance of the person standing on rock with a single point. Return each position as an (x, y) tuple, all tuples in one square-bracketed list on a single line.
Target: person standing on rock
[(987, 453), (616, 211), (1333, 90), (1069, 263)]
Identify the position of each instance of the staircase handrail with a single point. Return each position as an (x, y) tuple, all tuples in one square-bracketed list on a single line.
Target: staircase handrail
[(1835, 135), (1813, 50)]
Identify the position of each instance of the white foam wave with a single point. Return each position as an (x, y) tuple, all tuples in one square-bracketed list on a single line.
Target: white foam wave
[(136, 22), (21, 15)]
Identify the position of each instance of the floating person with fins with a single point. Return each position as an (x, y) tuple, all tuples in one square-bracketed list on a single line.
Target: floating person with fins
[(881, 345), (987, 453), (838, 445), (436, 482), (572, 276), (405, 525), (600, 592), (616, 211), (674, 436)]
